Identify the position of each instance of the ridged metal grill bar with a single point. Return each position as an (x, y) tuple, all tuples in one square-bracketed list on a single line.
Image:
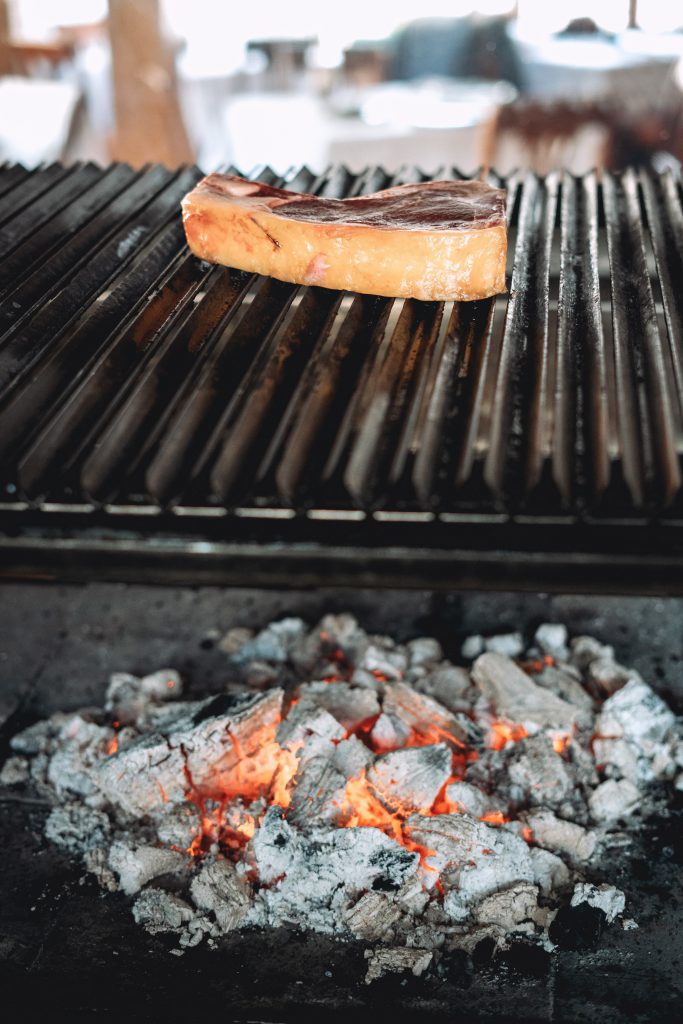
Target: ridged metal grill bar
[(133, 376)]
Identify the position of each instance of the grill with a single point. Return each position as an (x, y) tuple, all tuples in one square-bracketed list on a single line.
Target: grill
[(166, 420)]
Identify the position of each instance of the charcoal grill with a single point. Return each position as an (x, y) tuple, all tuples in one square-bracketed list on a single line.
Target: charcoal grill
[(165, 420)]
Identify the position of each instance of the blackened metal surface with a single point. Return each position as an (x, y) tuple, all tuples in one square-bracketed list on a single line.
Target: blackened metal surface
[(70, 953), (164, 419)]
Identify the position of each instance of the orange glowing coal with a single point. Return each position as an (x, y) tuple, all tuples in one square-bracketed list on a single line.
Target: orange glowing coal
[(561, 741), (494, 818), (503, 732)]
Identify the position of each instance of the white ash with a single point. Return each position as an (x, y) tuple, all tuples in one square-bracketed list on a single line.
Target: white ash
[(576, 845), (15, 771), (515, 696), (348, 705), (472, 647), (161, 911), (319, 794), (77, 828), (585, 649), (323, 807), (411, 778), (425, 650), (218, 889), (135, 865), (607, 677), (373, 917), (351, 757), (511, 645), (563, 682), (449, 685), (552, 639), (396, 961), (469, 799), (605, 897), (613, 801), (550, 871)]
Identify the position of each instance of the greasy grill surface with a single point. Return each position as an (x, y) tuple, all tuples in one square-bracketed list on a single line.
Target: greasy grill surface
[(136, 381)]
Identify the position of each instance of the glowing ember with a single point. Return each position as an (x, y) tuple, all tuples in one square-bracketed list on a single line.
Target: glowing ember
[(561, 741), (494, 818), (503, 732)]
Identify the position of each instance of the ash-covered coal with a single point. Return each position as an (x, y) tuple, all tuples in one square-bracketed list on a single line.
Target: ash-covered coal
[(362, 788)]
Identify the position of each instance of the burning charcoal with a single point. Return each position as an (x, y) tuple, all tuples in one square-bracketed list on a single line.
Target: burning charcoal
[(410, 780), (351, 757), (237, 728), (136, 865), (178, 824), (387, 664), (396, 961), (552, 637), (275, 848), (362, 679), (96, 862), (608, 677), (165, 718), (389, 733), (605, 897), (144, 776), (565, 686), (449, 685), (585, 649), (421, 715), (509, 908), (373, 917), (159, 911), (473, 858), (39, 738), (636, 713), (219, 889), (573, 842), (510, 645), (77, 828), (342, 632), (310, 727), (310, 881), (469, 798), (81, 744), (472, 647), (616, 757), (273, 643), (425, 650), (427, 936), (319, 794), (413, 896), (550, 872), (128, 697), (259, 675), (613, 800), (15, 771), (235, 639), (351, 707), (534, 774), (516, 697)]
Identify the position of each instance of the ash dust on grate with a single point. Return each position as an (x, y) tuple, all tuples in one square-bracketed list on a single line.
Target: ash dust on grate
[(362, 788)]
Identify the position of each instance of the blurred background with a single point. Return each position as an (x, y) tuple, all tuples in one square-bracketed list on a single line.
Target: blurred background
[(576, 84)]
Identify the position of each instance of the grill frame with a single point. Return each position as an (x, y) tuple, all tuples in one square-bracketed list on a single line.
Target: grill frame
[(533, 441)]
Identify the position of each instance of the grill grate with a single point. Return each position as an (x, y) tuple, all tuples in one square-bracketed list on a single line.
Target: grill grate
[(137, 382)]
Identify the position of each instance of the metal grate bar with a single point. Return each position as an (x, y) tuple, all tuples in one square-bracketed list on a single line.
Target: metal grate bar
[(31, 330)]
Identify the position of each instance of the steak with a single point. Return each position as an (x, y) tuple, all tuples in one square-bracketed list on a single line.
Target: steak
[(436, 240)]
